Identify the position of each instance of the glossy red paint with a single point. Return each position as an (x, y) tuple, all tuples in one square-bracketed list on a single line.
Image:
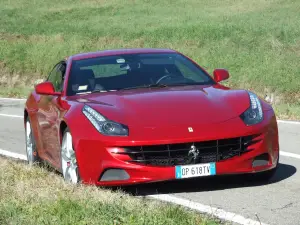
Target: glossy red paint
[(220, 75), (46, 88), (154, 117)]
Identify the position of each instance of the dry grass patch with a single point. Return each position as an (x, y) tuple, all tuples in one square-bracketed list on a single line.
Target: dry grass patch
[(35, 195)]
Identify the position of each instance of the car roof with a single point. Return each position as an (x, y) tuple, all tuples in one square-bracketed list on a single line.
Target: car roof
[(110, 52)]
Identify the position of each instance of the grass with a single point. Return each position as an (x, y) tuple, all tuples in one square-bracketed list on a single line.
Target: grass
[(33, 195), (257, 41)]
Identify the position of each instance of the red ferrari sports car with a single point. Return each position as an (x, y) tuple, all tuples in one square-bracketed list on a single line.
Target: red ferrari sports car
[(128, 116)]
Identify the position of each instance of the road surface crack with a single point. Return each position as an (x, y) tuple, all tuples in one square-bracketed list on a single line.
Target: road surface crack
[(283, 207)]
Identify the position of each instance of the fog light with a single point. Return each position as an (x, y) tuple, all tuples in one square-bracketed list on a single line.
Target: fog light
[(114, 175), (261, 160)]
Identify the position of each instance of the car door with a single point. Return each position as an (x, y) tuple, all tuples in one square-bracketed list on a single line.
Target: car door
[(49, 112)]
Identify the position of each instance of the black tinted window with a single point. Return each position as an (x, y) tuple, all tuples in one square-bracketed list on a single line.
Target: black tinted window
[(126, 71)]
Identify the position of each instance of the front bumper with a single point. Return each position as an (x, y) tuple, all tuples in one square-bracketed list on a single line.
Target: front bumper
[(94, 156)]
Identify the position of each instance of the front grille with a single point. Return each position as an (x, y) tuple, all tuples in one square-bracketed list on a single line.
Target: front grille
[(190, 153)]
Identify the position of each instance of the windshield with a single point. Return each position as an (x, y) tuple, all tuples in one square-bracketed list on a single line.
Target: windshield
[(113, 73)]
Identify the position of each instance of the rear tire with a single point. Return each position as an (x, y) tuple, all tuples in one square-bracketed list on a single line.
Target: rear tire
[(69, 166), (31, 150)]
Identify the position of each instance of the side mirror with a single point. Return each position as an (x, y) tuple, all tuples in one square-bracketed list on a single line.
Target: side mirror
[(220, 74), (46, 88)]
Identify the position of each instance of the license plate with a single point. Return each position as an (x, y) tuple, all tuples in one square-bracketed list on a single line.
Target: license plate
[(197, 170)]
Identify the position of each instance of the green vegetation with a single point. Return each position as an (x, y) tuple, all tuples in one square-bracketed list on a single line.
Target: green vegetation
[(257, 41), (33, 195)]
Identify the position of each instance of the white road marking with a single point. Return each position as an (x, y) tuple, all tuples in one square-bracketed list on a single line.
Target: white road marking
[(12, 154), (14, 99), (8, 115), (289, 154), (220, 213), (289, 122)]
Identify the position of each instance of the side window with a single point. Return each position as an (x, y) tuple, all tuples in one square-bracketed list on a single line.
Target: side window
[(56, 76)]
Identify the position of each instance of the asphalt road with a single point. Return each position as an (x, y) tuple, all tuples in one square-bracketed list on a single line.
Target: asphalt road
[(277, 202)]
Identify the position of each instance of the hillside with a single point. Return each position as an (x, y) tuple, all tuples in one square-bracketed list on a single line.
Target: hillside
[(257, 41)]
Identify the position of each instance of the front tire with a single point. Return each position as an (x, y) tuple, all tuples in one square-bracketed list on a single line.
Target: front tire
[(69, 164), (31, 150)]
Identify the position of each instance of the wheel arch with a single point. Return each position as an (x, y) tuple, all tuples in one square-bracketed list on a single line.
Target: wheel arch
[(26, 115), (62, 127)]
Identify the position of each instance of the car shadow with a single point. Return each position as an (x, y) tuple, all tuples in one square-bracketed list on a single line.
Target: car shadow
[(283, 172)]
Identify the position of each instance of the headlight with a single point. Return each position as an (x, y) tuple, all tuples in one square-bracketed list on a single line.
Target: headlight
[(254, 114), (103, 125)]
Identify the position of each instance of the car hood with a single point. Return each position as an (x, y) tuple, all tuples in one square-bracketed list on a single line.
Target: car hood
[(165, 107)]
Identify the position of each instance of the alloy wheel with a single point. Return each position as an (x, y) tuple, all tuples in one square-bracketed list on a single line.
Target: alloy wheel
[(68, 160)]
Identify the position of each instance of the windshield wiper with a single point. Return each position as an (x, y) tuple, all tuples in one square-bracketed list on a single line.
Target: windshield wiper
[(157, 85), (185, 84), (145, 86)]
